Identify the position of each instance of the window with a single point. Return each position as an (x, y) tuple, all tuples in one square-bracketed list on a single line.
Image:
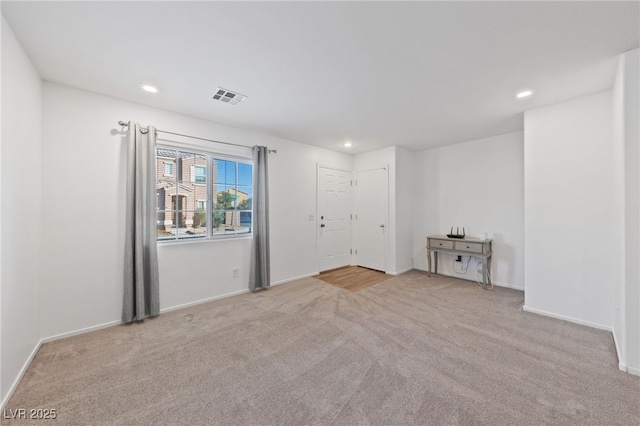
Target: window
[(168, 169), (214, 201), (232, 202), (199, 174)]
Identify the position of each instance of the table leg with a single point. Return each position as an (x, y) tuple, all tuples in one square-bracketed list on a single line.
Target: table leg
[(435, 261), (484, 273), (489, 270), (429, 262)]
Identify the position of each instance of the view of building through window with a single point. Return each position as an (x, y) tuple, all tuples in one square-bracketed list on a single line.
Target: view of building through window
[(201, 196)]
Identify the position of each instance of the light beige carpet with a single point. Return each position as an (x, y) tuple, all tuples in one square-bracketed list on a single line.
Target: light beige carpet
[(410, 350)]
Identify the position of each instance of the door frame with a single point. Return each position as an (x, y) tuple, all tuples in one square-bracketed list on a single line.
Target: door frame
[(354, 260), (317, 215)]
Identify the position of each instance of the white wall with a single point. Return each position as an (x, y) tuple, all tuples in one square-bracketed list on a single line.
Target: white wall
[(83, 160), (626, 151), (619, 246), (478, 185), (632, 207), (292, 179), (569, 186), (21, 209), (405, 200)]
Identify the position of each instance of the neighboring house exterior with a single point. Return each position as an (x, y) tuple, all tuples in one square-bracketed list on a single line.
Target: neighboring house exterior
[(182, 186), (236, 196)]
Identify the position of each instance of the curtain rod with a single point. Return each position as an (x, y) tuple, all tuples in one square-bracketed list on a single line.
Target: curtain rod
[(125, 124)]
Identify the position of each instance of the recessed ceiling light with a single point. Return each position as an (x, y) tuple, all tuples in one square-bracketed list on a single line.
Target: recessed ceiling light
[(524, 94), (149, 88), (348, 144)]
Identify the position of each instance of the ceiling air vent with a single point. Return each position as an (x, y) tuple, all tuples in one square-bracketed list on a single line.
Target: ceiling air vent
[(227, 96)]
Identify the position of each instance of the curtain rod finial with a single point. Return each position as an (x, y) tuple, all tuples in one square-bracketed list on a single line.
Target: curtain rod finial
[(275, 151)]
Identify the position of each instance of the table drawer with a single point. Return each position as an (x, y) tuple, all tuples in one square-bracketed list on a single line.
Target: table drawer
[(473, 247), (442, 244)]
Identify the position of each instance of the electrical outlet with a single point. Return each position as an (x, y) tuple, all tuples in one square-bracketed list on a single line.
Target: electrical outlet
[(236, 273)]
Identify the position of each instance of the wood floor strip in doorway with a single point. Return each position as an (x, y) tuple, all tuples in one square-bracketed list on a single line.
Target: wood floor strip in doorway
[(353, 278)]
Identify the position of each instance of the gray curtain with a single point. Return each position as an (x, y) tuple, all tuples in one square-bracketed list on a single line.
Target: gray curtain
[(141, 299), (260, 273)]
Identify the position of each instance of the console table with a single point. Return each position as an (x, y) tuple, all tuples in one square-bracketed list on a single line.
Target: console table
[(461, 247)]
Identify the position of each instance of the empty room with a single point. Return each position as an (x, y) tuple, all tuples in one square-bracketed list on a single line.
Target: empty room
[(320, 213)]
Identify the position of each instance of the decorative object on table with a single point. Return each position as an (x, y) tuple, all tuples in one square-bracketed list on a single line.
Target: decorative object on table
[(457, 234)]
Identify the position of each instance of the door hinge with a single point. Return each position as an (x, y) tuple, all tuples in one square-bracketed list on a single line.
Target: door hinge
[(351, 216), (350, 251), (356, 251), (351, 182)]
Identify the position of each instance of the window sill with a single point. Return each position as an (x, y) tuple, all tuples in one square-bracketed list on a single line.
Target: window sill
[(204, 240)]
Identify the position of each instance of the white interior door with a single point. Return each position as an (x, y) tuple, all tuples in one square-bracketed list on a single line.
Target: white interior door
[(372, 202), (333, 218)]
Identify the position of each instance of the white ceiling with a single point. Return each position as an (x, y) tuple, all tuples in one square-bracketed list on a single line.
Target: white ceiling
[(413, 74)]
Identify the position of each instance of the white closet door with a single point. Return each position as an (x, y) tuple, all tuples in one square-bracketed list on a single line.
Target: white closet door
[(372, 204)]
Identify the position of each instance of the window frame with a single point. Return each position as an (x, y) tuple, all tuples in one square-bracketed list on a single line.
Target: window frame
[(210, 156)]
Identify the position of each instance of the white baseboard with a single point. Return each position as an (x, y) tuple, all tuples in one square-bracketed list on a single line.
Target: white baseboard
[(233, 293), (162, 311), (506, 285), (497, 284), (621, 364), (201, 301), (23, 370), (80, 331), (288, 280), (401, 271), (629, 370), (634, 371), (567, 318)]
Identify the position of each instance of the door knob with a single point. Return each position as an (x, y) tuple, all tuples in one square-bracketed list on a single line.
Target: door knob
[(382, 226), (322, 225)]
